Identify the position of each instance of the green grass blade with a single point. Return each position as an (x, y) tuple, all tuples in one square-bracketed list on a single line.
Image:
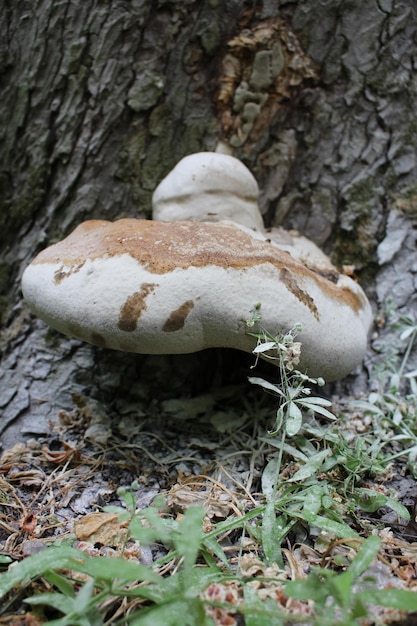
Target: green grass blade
[(213, 547), (22, 573)]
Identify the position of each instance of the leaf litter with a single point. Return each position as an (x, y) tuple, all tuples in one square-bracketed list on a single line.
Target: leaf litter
[(56, 490)]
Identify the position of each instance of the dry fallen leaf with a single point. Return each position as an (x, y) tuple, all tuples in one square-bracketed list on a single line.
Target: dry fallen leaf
[(28, 524), (10, 458), (29, 619), (60, 456), (216, 500), (103, 528)]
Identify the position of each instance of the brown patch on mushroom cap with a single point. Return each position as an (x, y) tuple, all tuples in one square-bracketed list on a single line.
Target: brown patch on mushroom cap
[(291, 284), (163, 247), (133, 308), (61, 274), (177, 318)]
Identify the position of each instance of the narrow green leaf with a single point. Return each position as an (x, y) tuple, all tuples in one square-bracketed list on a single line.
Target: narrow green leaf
[(279, 419), (274, 530), (311, 467), (358, 608), (129, 499), (312, 501), (213, 546), (174, 613), (340, 586), (123, 514), (102, 568), (62, 583), (316, 408), (84, 596), (407, 332), (55, 600), (366, 554), (371, 501), (395, 598), (338, 529), (271, 535), (149, 526), (189, 536), (369, 407), (21, 573), (259, 612), (265, 384), (234, 523), (310, 588), (294, 419), (291, 450), (264, 347), (269, 478), (317, 401), (146, 534)]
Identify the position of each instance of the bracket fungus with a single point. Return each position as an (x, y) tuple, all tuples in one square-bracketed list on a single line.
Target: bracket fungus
[(208, 186), (215, 186), (182, 285)]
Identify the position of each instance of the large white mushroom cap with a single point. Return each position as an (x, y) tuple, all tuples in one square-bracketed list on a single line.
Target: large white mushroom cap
[(213, 187), (168, 288), (207, 187)]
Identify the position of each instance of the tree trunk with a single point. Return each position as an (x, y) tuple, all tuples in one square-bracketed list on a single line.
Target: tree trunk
[(100, 100)]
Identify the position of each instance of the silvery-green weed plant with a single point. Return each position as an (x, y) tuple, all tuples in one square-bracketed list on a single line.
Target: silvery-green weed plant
[(293, 394), (323, 496), (392, 405)]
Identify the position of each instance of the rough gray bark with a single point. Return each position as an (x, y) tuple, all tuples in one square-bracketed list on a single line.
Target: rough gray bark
[(99, 102)]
